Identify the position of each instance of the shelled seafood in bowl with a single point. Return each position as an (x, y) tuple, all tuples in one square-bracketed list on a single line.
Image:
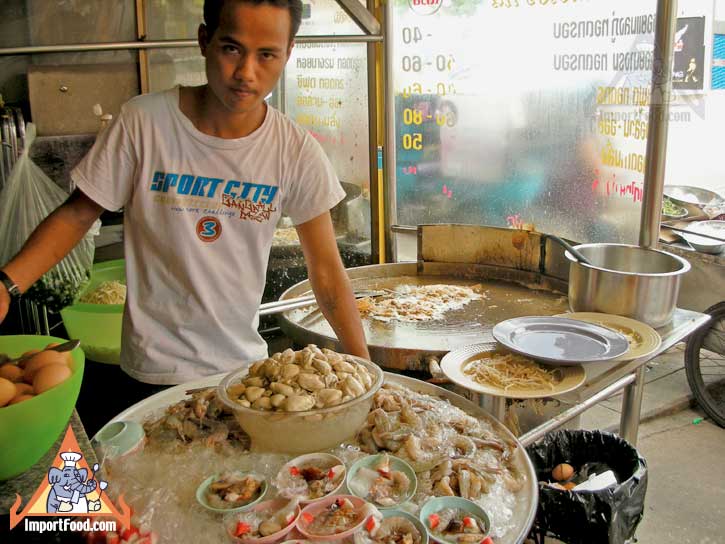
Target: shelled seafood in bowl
[(334, 518), (299, 381), (231, 490), (456, 521), (310, 477), (269, 521), (395, 527), (382, 480), (301, 402)]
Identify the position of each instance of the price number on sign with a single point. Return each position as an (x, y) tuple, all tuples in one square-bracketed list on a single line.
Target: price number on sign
[(412, 34), (413, 141), (412, 64), (412, 117)]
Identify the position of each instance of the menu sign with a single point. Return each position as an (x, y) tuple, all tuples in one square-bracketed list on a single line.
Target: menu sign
[(529, 111)]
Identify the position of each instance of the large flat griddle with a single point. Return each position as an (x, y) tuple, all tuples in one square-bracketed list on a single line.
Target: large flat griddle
[(405, 346)]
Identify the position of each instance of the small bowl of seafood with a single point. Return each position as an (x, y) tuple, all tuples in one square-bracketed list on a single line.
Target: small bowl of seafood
[(383, 480), (334, 518), (301, 401), (310, 477), (266, 522), (395, 526), (455, 520), (232, 491)]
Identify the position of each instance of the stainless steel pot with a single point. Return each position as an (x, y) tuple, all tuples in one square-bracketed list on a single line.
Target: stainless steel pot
[(626, 280)]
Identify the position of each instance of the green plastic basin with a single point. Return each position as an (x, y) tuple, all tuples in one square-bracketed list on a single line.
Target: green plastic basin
[(98, 326), (28, 429)]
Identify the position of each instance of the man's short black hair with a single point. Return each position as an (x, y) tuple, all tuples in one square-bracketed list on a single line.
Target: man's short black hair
[(213, 9)]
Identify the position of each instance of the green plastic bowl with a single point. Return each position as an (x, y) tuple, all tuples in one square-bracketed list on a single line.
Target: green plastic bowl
[(371, 461), (29, 429), (457, 503), (98, 326)]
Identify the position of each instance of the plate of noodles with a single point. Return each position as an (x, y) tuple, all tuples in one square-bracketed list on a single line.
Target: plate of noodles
[(492, 370), (643, 339)]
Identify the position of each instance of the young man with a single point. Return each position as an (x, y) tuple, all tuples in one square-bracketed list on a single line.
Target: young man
[(203, 175)]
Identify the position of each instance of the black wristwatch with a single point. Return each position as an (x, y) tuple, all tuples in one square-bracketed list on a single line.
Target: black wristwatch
[(10, 285)]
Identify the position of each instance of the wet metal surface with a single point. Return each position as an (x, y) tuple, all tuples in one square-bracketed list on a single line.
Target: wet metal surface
[(404, 346)]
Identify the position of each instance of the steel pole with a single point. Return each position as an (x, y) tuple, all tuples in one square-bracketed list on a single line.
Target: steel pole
[(654, 175)]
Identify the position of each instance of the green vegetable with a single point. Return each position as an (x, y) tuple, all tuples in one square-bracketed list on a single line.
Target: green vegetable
[(672, 209)]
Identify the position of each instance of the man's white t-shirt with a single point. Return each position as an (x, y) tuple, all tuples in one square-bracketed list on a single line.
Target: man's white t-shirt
[(200, 214)]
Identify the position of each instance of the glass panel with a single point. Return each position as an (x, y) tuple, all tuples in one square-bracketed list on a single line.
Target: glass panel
[(326, 92), (523, 111), (323, 17), (173, 19), (171, 67)]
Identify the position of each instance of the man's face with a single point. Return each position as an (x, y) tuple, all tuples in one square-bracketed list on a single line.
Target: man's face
[(247, 53)]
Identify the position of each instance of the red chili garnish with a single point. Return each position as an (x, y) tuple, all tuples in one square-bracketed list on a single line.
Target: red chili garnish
[(370, 525), (384, 473), (339, 503), (469, 522), (242, 528), (331, 474), (127, 533), (294, 471), (434, 520), (308, 517), (487, 540)]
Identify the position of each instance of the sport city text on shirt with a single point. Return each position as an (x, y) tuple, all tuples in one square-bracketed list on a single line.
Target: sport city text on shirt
[(253, 200)]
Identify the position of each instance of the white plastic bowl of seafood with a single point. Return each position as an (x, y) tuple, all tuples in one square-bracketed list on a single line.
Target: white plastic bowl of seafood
[(267, 522), (382, 480), (334, 518), (394, 526), (301, 402), (310, 477)]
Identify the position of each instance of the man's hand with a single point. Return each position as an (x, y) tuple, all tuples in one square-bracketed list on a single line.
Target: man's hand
[(49, 243), (330, 283), (4, 303)]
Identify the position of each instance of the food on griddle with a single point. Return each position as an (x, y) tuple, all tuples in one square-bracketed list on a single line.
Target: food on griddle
[(340, 516), (456, 525), (510, 371), (296, 381), (260, 523), (413, 303), (107, 292), (311, 478), (382, 484), (391, 530), (231, 490), (285, 237)]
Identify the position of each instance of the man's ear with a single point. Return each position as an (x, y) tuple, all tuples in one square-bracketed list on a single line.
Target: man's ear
[(203, 38)]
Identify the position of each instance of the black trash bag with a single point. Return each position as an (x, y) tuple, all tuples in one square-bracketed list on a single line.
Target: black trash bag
[(607, 516)]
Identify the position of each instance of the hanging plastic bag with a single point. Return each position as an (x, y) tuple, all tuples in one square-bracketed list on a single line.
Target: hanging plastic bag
[(29, 196)]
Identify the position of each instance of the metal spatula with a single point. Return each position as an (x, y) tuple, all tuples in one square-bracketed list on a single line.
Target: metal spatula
[(280, 306)]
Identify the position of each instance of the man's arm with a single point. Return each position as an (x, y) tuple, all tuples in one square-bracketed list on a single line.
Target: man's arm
[(331, 284), (49, 243)]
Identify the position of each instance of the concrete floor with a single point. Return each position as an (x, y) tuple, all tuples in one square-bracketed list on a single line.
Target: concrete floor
[(686, 495)]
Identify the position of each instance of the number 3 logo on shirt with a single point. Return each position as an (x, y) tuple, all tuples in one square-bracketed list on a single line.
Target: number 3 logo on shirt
[(208, 229)]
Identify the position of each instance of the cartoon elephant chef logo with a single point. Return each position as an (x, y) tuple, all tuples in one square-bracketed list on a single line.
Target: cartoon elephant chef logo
[(70, 487)]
